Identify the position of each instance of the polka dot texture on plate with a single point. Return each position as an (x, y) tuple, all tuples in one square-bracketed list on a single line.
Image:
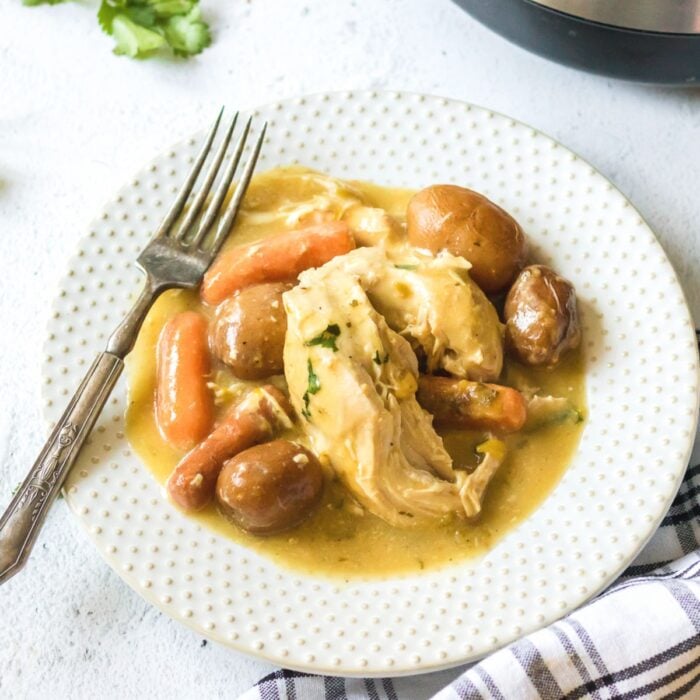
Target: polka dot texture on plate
[(642, 397)]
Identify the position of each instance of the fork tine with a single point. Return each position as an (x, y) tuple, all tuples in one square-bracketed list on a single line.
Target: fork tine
[(232, 210), (203, 192), (213, 209), (187, 185)]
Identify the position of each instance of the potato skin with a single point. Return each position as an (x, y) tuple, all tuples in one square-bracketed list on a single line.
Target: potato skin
[(466, 223), (259, 415), (248, 331), (541, 317), (271, 487)]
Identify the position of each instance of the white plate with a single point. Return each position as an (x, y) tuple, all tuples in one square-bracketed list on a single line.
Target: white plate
[(642, 400)]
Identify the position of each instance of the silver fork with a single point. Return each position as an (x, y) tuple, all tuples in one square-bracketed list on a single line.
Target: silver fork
[(176, 256)]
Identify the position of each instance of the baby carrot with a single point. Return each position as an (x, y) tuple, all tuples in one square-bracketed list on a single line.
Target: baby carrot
[(255, 419), (184, 405), (459, 403), (275, 259)]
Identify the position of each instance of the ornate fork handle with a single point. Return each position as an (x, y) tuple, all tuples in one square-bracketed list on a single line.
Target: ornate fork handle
[(27, 511), (23, 518), (177, 256)]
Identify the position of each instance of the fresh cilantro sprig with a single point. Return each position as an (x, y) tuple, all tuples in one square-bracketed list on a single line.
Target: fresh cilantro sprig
[(143, 28)]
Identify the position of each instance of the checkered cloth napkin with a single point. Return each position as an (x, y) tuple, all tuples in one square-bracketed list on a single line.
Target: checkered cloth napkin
[(638, 639)]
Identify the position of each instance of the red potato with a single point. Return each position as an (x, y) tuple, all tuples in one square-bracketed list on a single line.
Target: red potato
[(270, 488), (279, 258), (459, 403), (248, 330), (184, 404), (541, 316), (256, 419), (468, 224)]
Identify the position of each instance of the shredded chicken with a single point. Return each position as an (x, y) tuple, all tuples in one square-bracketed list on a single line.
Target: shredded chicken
[(353, 379), (474, 486), (322, 194), (545, 410), (434, 303), (371, 226)]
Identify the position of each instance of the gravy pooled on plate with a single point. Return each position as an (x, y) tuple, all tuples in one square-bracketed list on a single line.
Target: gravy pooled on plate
[(364, 414)]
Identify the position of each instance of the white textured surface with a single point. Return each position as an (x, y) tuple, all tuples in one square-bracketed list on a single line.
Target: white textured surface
[(607, 504), (77, 122)]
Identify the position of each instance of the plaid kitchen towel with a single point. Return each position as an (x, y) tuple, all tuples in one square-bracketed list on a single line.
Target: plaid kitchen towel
[(638, 639)]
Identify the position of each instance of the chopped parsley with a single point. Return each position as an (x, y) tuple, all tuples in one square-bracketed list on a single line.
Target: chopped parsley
[(406, 267), (313, 387), (380, 360), (327, 338)]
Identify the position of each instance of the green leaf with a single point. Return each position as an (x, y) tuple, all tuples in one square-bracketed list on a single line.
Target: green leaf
[(134, 40), (314, 383), (406, 267), (105, 16), (32, 3), (168, 8), (143, 16), (327, 338), (143, 27), (187, 34), (313, 387)]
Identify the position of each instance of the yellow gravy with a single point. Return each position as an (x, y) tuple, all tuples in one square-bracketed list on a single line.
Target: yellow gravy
[(338, 540)]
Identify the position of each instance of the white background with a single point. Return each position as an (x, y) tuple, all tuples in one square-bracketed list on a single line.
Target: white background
[(76, 121)]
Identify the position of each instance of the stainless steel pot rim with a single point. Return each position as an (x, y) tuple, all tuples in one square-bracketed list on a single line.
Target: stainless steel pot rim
[(664, 16)]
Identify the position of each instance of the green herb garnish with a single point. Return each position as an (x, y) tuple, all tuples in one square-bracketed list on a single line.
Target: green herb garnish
[(406, 267), (313, 387), (327, 338), (380, 360), (314, 383), (142, 28)]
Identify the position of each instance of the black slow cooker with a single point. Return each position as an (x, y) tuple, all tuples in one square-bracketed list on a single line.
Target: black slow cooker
[(651, 41)]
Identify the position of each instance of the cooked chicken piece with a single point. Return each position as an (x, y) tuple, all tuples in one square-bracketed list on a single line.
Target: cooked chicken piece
[(474, 486), (371, 226), (317, 197), (353, 379), (433, 302), (546, 410)]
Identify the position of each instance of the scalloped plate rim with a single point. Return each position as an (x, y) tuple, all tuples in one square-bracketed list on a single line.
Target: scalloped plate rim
[(313, 667)]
